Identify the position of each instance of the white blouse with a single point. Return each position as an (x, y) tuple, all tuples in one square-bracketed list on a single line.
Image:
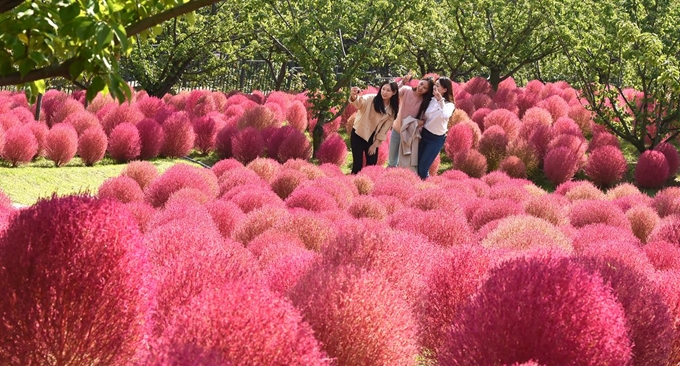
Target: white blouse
[(437, 116)]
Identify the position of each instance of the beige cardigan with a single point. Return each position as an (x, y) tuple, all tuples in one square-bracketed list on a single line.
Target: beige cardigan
[(367, 120)]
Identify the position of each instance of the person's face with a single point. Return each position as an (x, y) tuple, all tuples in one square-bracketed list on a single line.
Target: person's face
[(386, 92), (423, 85), (439, 88)]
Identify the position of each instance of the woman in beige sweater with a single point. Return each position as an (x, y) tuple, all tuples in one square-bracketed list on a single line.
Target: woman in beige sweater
[(375, 114)]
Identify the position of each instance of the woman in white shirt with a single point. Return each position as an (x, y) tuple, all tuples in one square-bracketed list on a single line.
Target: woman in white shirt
[(375, 114), (435, 123)]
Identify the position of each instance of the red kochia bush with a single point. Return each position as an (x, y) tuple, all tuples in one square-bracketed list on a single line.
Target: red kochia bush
[(75, 275), (152, 137), (667, 201), (456, 276), (179, 135), (258, 117), (560, 165), (471, 162), (296, 115), (294, 146), (61, 144), (357, 316), (225, 215), (652, 169), (81, 121), (459, 138), (539, 308), (205, 129), (672, 157), (122, 113), (441, 227), (247, 144), (239, 324), (606, 166), (20, 145), (124, 143), (647, 316), (143, 172), (92, 145), (123, 189), (332, 150), (587, 212), (177, 177), (663, 255)]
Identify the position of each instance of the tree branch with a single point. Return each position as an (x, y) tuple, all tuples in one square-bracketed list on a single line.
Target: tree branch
[(7, 5)]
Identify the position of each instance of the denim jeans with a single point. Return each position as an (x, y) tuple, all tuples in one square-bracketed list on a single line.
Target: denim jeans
[(395, 140), (429, 148)]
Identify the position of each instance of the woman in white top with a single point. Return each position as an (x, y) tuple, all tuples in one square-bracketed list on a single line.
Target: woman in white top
[(375, 114), (435, 123)]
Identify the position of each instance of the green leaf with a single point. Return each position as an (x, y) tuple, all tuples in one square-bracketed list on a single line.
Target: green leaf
[(25, 66), (39, 86), (76, 68), (38, 57), (121, 36), (104, 37), (96, 86), (68, 13), (85, 29)]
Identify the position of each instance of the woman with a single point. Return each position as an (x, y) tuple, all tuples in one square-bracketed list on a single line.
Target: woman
[(435, 125), (414, 101), (374, 118)]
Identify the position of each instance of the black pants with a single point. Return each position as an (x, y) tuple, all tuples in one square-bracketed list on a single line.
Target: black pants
[(359, 150)]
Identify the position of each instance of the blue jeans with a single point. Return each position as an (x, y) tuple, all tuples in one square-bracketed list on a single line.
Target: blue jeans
[(395, 140), (428, 149)]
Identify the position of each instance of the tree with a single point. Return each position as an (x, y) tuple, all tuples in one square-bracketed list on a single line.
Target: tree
[(335, 42), (504, 36), (625, 60), (77, 40), (194, 50)]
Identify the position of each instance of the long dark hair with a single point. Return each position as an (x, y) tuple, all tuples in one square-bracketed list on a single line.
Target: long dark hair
[(378, 103), (446, 83), (426, 97)]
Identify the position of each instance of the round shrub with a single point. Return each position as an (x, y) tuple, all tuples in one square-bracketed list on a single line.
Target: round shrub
[(123, 189), (9, 120), (506, 120), (179, 135), (121, 113), (357, 316), (247, 144), (61, 144), (152, 137), (643, 220), (606, 166), (124, 143), (258, 117), (231, 180), (667, 201), (490, 210), (459, 138), (647, 316), (312, 199), (603, 139), (493, 145), (266, 168), (177, 177), (249, 199), (556, 106), (314, 231), (332, 150), (528, 298), (286, 181), (672, 157), (225, 215), (513, 166), (294, 146), (20, 145), (40, 131), (239, 324), (225, 165), (652, 169), (668, 229), (471, 162), (587, 212), (143, 172), (296, 115), (550, 207), (66, 109), (580, 190), (367, 206), (560, 165), (663, 255), (149, 106), (454, 278), (205, 128), (55, 253), (284, 272), (440, 227), (81, 121), (524, 232), (92, 145)]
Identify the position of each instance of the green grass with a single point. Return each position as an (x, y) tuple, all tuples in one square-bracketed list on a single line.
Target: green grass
[(27, 183)]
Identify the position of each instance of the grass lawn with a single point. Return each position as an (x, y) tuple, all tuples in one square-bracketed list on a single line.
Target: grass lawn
[(27, 183)]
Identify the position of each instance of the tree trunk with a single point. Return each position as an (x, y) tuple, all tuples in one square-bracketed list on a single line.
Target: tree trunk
[(317, 134), (281, 76), (495, 78)]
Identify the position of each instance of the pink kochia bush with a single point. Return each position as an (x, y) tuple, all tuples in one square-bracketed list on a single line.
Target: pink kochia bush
[(540, 308), (143, 172), (652, 169), (560, 164), (647, 316), (179, 135), (20, 145), (357, 316), (247, 145), (75, 275), (124, 143), (332, 150), (606, 166), (92, 145), (61, 144), (177, 177), (123, 189), (152, 137), (238, 324)]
